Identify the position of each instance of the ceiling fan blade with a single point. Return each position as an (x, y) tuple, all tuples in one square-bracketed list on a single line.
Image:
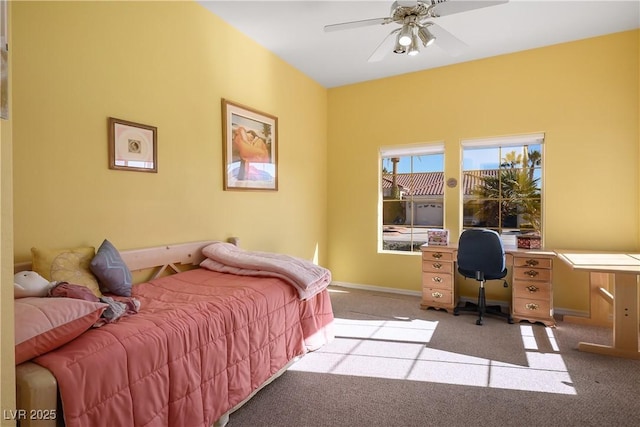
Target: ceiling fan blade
[(356, 24), (447, 41), (452, 6), (406, 3), (384, 48)]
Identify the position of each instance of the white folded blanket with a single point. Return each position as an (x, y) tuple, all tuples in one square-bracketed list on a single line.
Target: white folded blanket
[(308, 278)]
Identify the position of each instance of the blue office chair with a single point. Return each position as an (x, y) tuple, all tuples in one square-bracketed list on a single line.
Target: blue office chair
[(481, 257)]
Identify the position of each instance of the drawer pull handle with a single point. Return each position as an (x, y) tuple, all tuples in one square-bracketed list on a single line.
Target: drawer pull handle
[(437, 266), (531, 262), (437, 279), (437, 255), (531, 306), (531, 273), (532, 289), (436, 295)]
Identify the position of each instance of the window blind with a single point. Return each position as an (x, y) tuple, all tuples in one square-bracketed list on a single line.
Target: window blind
[(504, 141), (412, 150)]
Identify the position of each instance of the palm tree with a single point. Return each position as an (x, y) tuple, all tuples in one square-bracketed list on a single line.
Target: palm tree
[(394, 207), (535, 160), (513, 191)]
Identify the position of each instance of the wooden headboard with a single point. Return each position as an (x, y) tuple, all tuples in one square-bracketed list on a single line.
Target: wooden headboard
[(166, 257), (160, 260)]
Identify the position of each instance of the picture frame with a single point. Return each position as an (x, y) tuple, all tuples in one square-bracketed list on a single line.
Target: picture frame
[(249, 148), (132, 146), (4, 61)]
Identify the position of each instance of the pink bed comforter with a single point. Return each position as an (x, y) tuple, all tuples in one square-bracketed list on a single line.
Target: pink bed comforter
[(201, 343)]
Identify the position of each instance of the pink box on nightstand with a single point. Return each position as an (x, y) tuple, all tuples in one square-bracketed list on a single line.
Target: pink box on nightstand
[(437, 237), (529, 241)]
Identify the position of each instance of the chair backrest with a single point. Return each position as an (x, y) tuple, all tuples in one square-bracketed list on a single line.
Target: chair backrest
[(481, 250)]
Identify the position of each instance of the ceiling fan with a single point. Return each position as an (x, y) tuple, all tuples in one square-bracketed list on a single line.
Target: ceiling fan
[(415, 18)]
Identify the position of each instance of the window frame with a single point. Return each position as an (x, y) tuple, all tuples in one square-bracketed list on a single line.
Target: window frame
[(413, 150), (503, 143)]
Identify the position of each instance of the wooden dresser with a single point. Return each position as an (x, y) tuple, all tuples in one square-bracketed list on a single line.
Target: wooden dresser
[(531, 282)]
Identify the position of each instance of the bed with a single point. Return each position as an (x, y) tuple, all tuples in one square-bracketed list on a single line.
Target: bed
[(202, 343)]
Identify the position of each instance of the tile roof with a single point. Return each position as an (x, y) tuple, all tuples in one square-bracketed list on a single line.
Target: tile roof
[(432, 183)]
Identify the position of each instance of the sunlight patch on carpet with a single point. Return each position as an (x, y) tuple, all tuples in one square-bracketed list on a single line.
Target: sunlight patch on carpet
[(397, 349), (416, 330)]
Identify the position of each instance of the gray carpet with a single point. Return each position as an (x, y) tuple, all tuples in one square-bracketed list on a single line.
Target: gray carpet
[(393, 364)]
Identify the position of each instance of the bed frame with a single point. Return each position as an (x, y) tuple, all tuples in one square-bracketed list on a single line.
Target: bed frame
[(37, 388)]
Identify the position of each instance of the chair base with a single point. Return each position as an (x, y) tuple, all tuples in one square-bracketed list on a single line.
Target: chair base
[(493, 310)]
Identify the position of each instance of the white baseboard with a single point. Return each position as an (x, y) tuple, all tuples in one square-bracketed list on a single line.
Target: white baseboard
[(376, 288), (569, 312), (504, 304)]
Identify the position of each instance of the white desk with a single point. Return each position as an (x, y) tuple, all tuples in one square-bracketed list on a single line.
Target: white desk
[(625, 270)]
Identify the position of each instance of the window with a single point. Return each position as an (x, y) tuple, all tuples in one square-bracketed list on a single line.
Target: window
[(412, 195), (502, 183)]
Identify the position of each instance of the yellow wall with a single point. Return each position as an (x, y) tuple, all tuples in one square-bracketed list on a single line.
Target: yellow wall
[(7, 376), (165, 64), (7, 382), (582, 95)]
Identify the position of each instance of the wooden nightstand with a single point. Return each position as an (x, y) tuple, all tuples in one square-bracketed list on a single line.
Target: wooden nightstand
[(438, 277), (532, 293)]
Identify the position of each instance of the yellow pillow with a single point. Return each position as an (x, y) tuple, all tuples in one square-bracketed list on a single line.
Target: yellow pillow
[(66, 265)]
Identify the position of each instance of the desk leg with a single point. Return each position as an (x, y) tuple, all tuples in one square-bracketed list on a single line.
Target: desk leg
[(625, 305), (625, 322), (599, 308)]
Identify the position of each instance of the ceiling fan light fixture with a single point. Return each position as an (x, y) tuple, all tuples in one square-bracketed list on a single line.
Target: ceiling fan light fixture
[(399, 48), (414, 48), (404, 38), (426, 36)]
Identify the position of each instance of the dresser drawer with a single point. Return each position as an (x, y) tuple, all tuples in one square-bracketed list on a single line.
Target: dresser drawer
[(528, 307), (437, 255), (437, 280), (437, 266), (528, 273), (532, 262), (437, 296), (528, 289)]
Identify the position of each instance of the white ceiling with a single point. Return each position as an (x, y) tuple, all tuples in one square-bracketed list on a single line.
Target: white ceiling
[(294, 31)]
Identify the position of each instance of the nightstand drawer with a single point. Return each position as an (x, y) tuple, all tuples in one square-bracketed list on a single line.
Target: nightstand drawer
[(532, 262), (436, 295), (531, 290), (437, 280), (528, 307), (437, 255), (437, 266), (528, 273)]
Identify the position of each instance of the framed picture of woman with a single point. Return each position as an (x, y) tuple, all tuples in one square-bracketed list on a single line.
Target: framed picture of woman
[(250, 155)]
